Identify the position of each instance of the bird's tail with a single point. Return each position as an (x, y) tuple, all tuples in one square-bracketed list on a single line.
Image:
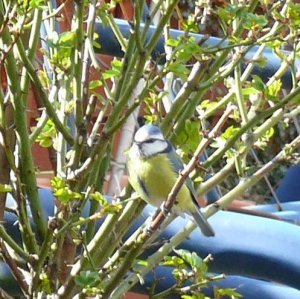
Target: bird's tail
[(203, 224)]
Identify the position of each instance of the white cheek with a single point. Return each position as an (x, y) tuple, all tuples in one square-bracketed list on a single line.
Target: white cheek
[(156, 147)]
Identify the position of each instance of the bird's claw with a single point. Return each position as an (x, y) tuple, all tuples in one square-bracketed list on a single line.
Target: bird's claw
[(165, 211)]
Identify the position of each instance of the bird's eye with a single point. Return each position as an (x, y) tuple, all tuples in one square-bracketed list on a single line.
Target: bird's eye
[(149, 140)]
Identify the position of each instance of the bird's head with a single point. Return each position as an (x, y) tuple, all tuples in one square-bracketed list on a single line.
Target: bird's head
[(151, 141)]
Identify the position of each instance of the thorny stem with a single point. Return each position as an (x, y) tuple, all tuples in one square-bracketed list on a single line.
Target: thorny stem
[(42, 94)]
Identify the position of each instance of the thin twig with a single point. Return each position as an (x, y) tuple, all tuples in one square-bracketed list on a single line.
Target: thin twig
[(14, 268)]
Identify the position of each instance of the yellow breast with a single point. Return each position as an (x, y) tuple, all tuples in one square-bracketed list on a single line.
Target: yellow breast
[(153, 179)]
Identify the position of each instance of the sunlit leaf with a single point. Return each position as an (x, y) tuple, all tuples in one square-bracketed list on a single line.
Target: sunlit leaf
[(5, 188), (94, 84)]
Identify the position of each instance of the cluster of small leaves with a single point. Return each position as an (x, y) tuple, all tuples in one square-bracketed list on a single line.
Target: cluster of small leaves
[(62, 191), (184, 50), (188, 265), (151, 110), (192, 271), (221, 141), (115, 71), (106, 206), (88, 282), (189, 269), (188, 138), (294, 14), (232, 12), (63, 44), (47, 136), (45, 284), (220, 293), (28, 5), (268, 92)]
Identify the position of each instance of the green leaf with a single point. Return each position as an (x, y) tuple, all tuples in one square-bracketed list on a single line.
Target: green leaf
[(188, 50), (293, 14), (45, 80), (115, 71), (67, 39), (179, 70), (218, 142), (188, 138), (62, 192), (96, 43), (258, 83), (192, 259), (249, 91), (190, 25), (103, 13), (5, 188), (172, 261), (117, 64), (108, 74), (100, 198), (94, 84), (63, 40), (228, 14), (37, 4), (47, 135), (57, 183), (45, 284), (195, 296), (229, 132), (87, 279), (232, 293), (254, 22), (262, 62), (172, 42), (46, 142), (143, 263), (274, 89), (112, 208), (269, 133)]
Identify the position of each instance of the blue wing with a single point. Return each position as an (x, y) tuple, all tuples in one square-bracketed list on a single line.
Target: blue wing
[(178, 166), (199, 218)]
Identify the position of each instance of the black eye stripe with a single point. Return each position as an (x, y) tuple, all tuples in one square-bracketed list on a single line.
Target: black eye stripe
[(150, 140)]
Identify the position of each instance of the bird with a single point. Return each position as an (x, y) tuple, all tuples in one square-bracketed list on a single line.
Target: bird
[(153, 168)]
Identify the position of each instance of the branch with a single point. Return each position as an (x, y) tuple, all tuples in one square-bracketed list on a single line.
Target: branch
[(188, 87), (27, 168), (14, 95), (14, 268), (103, 244), (79, 81), (218, 154), (42, 94), (284, 155), (11, 243)]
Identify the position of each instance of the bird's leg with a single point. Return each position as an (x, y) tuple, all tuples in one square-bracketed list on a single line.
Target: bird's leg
[(165, 210), (148, 223)]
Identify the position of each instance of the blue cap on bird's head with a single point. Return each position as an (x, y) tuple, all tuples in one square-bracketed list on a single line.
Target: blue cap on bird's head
[(148, 132)]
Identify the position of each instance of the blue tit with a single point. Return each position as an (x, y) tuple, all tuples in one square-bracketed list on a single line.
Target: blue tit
[(153, 167)]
